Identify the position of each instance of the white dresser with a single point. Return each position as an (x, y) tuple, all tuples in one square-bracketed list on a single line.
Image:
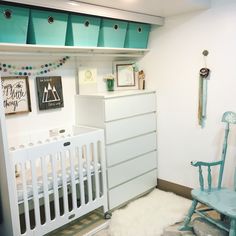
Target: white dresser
[(129, 121)]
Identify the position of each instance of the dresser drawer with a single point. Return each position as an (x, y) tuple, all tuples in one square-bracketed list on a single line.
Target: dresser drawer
[(121, 107), (130, 148), (127, 128), (128, 170), (131, 189)]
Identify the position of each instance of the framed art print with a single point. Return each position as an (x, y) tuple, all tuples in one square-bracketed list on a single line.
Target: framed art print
[(50, 95), (16, 94), (125, 75)]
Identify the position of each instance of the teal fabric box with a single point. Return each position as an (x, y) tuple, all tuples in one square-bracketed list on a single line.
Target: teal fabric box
[(83, 31), (13, 24), (47, 27), (112, 33), (137, 35)]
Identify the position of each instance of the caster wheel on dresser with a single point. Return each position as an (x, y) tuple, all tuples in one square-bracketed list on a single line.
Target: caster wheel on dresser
[(107, 215)]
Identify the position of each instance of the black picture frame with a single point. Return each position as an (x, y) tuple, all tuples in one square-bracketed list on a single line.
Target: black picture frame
[(50, 92)]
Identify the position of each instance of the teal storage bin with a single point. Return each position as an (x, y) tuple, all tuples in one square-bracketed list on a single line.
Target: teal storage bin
[(137, 35), (83, 31), (47, 27), (13, 24), (112, 33)]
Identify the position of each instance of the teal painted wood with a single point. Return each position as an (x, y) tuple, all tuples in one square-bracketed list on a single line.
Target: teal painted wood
[(137, 35), (112, 33), (187, 219), (219, 224), (13, 24), (223, 155), (47, 28), (83, 31), (220, 199), (223, 200), (232, 231), (209, 178), (201, 180)]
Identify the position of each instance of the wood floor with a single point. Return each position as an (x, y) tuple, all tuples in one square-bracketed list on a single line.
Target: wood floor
[(81, 226)]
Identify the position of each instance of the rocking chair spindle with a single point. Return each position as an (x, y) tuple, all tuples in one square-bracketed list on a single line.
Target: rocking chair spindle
[(220, 199)]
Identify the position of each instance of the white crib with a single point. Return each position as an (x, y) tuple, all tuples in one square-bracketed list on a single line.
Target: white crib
[(58, 180)]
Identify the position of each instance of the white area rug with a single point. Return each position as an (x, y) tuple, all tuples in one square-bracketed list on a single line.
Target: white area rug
[(148, 216)]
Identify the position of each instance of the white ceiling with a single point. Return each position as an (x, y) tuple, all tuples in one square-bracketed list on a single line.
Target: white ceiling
[(162, 8), (146, 11)]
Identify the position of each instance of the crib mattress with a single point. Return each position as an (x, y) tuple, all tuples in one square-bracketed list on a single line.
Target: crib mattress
[(29, 187)]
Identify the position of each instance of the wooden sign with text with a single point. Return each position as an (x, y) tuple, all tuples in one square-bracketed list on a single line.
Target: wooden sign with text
[(16, 95)]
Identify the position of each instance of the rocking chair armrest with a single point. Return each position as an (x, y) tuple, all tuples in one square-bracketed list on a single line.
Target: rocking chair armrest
[(207, 165), (202, 163)]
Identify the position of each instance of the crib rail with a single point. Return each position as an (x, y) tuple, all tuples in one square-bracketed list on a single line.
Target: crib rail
[(59, 181)]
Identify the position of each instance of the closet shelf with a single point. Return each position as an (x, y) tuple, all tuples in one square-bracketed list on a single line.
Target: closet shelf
[(29, 49)]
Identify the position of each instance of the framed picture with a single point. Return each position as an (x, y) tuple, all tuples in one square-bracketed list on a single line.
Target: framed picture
[(16, 94), (50, 95), (125, 75), (87, 80)]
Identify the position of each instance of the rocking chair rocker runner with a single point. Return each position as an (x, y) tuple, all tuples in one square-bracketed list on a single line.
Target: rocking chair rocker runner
[(220, 199)]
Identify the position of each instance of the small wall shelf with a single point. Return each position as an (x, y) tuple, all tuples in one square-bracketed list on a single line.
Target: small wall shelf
[(29, 49)]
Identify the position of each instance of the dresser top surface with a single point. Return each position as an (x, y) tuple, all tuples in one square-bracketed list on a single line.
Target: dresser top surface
[(114, 94)]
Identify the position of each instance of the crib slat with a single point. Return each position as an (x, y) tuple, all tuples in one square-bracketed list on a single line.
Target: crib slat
[(35, 193), (81, 176), (45, 188), (64, 182), (72, 171), (88, 172), (55, 185), (95, 159), (88, 164), (25, 196)]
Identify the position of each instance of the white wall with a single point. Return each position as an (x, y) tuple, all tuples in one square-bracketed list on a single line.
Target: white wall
[(172, 68), (28, 127)]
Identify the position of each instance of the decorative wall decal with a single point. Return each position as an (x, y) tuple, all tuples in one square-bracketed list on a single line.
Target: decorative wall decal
[(16, 95), (50, 93), (202, 105)]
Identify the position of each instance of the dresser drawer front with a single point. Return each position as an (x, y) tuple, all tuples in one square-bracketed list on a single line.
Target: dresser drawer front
[(127, 106), (130, 127), (128, 170), (131, 189), (130, 148)]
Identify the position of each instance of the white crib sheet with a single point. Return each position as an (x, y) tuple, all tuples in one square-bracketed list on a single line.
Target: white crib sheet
[(20, 192)]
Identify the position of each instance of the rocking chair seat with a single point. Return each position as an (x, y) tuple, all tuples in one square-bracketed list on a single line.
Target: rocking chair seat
[(222, 200)]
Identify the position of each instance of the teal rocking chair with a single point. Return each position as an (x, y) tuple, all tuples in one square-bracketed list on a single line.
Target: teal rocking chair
[(220, 199)]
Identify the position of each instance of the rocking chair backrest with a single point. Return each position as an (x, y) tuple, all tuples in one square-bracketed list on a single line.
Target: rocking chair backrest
[(229, 117)]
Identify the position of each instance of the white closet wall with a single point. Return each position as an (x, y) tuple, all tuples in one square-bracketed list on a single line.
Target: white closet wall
[(172, 67)]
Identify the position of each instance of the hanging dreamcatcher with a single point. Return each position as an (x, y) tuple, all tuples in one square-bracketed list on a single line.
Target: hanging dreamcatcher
[(204, 76)]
